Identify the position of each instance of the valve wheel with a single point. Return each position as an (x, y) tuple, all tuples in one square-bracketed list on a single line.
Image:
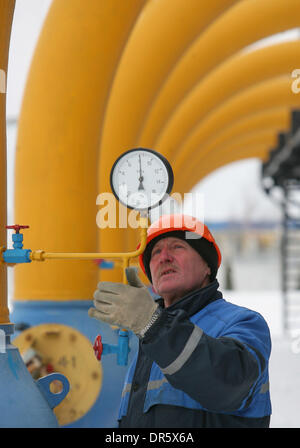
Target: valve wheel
[(98, 347), (17, 227)]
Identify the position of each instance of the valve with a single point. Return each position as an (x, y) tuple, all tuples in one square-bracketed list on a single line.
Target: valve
[(121, 350), (104, 264), (17, 254), (17, 237), (98, 347), (17, 227)]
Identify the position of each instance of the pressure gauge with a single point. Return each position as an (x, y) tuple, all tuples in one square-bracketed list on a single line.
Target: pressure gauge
[(141, 178)]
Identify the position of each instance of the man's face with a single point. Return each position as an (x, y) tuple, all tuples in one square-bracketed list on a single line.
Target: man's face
[(176, 269)]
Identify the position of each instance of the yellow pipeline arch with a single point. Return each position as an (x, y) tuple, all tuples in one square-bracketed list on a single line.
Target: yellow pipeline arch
[(265, 138), (87, 110), (114, 130), (272, 120), (160, 36), (58, 141), (277, 119), (244, 152), (235, 75), (269, 94), (243, 24)]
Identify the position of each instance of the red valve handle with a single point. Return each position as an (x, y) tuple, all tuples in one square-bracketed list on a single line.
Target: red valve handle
[(98, 347), (17, 227)]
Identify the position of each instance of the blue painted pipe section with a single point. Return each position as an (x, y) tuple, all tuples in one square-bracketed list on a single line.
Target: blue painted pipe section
[(121, 350), (104, 412), (53, 399), (124, 349), (22, 404)]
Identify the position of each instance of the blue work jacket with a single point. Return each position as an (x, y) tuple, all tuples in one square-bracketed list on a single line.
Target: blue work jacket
[(204, 363)]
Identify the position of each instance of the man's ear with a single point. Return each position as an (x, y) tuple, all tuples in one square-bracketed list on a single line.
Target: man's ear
[(208, 274)]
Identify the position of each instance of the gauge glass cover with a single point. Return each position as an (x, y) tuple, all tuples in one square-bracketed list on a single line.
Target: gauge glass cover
[(141, 178)]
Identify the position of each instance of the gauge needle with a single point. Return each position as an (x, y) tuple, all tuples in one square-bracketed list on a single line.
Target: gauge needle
[(141, 186)]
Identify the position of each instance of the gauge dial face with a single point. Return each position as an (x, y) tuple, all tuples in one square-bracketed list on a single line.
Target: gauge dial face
[(141, 178)]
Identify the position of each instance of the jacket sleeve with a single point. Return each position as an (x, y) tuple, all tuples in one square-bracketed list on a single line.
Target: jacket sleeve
[(220, 373)]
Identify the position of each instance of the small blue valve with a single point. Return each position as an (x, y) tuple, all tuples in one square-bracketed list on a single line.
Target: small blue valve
[(17, 254), (104, 264)]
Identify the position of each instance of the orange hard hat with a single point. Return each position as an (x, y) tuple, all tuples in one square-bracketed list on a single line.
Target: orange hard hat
[(186, 227)]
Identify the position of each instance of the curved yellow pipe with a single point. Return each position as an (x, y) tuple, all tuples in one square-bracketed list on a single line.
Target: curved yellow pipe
[(266, 138), (258, 152), (277, 120), (243, 24), (269, 122), (125, 257), (230, 78), (58, 141), (6, 16), (161, 34), (272, 93)]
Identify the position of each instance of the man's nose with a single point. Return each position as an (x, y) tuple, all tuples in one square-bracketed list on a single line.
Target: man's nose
[(165, 255)]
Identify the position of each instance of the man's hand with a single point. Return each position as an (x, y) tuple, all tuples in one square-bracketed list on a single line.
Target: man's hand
[(128, 306)]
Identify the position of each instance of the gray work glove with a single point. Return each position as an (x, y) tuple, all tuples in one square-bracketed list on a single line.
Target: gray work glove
[(128, 306)]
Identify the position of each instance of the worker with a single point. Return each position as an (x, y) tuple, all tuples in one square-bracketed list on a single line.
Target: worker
[(202, 361)]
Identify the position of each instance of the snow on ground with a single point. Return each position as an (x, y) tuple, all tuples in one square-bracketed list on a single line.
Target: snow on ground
[(285, 384), (285, 356)]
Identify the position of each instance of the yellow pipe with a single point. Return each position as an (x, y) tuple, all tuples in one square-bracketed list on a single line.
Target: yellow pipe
[(260, 151), (278, 117), (6, 17), (276, 120), (40, 255), (266, 138), (243, 24), (59, 132), (227, 80), (273, 93), (161, 34)]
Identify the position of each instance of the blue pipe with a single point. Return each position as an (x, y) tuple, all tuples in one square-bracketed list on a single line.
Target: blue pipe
[(121, 349), (25, 403)]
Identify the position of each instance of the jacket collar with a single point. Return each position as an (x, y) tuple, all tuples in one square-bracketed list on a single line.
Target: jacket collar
[(194, 301)]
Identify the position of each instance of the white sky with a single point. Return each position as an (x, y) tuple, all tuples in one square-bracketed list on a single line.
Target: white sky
[(27, 23), (231, 192)]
